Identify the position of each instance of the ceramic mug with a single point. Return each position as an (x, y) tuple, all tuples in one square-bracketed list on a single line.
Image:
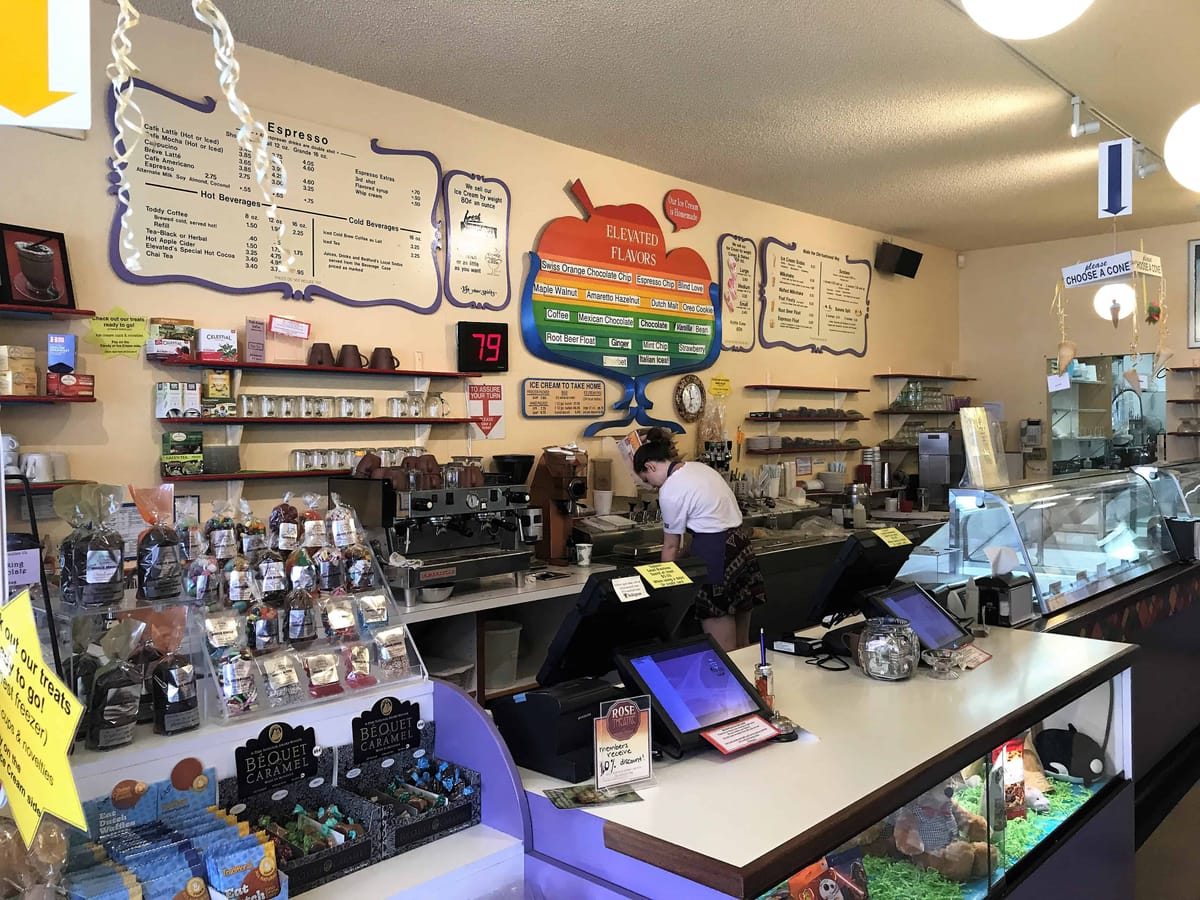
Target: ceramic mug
[(60, 467), (349, 357), (37, 466), (383, 358), (320, 355)]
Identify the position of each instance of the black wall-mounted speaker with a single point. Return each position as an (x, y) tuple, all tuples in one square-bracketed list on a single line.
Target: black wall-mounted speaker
[(892, 259)]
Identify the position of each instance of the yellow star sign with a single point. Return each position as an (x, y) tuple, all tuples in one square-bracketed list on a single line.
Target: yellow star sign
[(38, 717)]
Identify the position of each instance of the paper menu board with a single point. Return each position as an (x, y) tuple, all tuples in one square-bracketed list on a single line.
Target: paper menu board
[(737, 262), (360, 217), (477, 215), (812, 300)]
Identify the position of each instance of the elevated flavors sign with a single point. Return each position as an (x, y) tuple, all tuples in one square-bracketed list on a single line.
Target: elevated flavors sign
[(605, 295)]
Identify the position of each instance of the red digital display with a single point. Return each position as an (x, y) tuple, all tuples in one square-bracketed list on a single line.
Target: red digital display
[(482, 347)]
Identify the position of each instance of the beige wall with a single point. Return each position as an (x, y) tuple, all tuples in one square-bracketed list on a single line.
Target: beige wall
[(1007, 328), (59, 184)]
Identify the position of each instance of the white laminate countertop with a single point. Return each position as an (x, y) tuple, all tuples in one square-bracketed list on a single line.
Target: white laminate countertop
[(869, 734), (501, 590)]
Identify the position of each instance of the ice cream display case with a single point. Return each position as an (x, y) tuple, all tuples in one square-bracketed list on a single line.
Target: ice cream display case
[(1176, 486), (1074, 537)]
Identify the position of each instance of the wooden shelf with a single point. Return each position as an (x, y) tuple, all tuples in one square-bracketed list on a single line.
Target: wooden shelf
[(1184, 369), (43, 398), (37, 311), (1184, 401), (769, 419), (794, 450), (925, 377), (309, 370), (41, 487), (1195, 434), (903, 448), (526, 685), (805, 387), (916, 412), (237, 420), (256, 476)]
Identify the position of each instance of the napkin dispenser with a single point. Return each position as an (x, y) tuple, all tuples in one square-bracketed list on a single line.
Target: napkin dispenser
[(1006, 599), (550, 730)]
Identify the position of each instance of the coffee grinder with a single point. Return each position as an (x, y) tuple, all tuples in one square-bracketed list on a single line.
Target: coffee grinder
[(559, 483)]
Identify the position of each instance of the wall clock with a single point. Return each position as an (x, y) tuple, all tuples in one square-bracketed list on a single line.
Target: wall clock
[(690, 398)]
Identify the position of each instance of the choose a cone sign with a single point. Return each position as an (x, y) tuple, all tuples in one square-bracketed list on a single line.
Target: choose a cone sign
[(604, 295), (45, 80)]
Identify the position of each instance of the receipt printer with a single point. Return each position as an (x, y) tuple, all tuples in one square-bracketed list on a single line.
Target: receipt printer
[(1006, 599), (550, 729)]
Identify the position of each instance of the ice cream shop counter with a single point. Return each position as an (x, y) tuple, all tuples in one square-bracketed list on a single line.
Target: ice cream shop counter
[(1011, 779)]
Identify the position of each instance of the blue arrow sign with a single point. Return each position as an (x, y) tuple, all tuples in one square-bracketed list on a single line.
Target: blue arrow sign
[(1115, 183)]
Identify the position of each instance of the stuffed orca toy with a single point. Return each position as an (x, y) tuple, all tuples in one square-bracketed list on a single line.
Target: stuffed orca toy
[(1070, 755)]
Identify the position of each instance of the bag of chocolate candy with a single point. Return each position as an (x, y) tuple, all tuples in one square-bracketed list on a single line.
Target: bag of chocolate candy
[(251, 530), (235, 682), (173, 678), (372, 610), (343, 526), (241, 582), (117, 687), (282, 680), (324, 671), (91, 557), (338, 619), (312, 523), (36, 872), (391, 649), (284, 526), (359, 566), (264, 627), (159, 548), (356, 663), (68, 506), (300, 626), (221, 531), (203, 583)]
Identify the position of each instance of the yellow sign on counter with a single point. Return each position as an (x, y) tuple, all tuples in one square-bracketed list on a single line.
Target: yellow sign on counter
[(663, 575), (38, 717), (893, 537)]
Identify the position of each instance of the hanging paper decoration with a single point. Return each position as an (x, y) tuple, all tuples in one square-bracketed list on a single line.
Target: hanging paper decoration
[(1066, 348), (269, 170), (128, 124)]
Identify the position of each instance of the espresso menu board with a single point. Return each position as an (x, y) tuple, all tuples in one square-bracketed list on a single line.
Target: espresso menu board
[(811, 300), (737, 259), (359, 217), (560, 398)]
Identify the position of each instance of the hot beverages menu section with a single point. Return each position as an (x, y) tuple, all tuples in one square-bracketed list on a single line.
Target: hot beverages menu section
[(360, 219), (813, 300)]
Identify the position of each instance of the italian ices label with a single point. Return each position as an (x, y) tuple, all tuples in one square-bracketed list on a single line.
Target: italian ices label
[(102, 566)]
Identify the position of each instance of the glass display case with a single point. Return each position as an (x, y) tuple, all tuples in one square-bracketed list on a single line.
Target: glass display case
[(1074, 536), (1176, 486), (975, 828)]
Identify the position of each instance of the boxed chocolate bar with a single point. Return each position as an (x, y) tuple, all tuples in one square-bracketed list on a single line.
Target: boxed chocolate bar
[(391, 763), (285, 789)]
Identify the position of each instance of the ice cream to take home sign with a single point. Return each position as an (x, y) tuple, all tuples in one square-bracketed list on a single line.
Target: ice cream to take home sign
[(605, 295)]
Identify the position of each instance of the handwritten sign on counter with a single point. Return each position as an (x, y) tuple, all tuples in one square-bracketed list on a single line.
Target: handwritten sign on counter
[(359, 217)]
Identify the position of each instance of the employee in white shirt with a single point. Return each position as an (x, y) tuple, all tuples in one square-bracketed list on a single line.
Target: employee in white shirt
[(697, 500)]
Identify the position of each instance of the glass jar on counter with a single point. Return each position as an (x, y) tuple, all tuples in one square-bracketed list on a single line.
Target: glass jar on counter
[(888, 649), (435, 406)]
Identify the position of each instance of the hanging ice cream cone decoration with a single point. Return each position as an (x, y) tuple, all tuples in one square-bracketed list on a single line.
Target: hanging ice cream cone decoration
[(1066, 355), (1135, 380), (1115, 312)]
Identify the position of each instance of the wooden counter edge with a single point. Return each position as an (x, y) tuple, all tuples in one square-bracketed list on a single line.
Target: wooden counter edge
[(785, 860)]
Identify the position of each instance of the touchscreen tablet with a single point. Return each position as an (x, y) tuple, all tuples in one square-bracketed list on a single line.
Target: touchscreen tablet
[(935, 628)]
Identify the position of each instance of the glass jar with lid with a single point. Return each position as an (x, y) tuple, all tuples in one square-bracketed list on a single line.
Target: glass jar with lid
[(435, 406), (889, 649)]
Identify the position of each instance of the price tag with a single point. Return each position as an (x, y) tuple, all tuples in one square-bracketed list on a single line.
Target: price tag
[(630, 588), (288, 327), (1056, 383), (663, 575), (893, 537), (24, 567)]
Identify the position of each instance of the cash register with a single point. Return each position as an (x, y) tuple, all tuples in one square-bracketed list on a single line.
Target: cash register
[(550, 729)]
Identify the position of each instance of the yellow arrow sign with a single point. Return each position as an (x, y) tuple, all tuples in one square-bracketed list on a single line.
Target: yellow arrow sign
[(25, 49)]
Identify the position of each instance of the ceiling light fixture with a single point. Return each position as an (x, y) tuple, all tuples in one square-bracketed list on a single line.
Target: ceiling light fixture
[(1079, 129), (1021, 20), (1182, 149), (1145, 162), (1115, 301)]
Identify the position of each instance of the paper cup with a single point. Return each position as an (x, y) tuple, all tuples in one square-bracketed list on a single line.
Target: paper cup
[(583, 554), (602, 502)]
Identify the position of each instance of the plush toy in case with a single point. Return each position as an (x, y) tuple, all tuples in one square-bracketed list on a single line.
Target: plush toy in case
[(1070, 755)]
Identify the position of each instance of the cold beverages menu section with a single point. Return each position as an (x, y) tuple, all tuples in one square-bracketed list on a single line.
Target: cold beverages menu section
[(359, 219), (813, 300)]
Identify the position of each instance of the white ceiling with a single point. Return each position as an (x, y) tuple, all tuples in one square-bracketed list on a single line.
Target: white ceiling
[(898, 115)]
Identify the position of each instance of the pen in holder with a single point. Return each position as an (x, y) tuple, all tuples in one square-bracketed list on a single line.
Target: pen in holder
[(764, 683)]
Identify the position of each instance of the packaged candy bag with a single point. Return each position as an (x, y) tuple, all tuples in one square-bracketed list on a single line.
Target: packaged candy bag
[(91, 558), (301, 570), (302, 613), (343, 526), (338, 619), (324, 673), (191, 536), (264, 624), (312, 522), (356, 660), (270, 569), (284, 524), (68, 506), (173, 678), (235, 681), (113, 706), (143, 660), (203, 582), (221, 531), (391, 648), (252, 531), (281, 678), (373, 612), (359, 567), (159, 551), (241, 583), (331, 573)]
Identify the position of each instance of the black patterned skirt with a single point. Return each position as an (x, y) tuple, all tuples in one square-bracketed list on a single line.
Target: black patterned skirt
[(735, 582)]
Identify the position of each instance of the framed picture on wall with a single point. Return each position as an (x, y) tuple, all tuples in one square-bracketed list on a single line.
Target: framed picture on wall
[(1193, 264), (33, 267)]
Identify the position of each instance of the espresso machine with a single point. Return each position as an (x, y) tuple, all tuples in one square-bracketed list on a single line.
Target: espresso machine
[(560, 481), (447, 536)]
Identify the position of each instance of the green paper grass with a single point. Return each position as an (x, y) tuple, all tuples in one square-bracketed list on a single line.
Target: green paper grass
[(895, 879), (968, 798), (1022, 835)]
